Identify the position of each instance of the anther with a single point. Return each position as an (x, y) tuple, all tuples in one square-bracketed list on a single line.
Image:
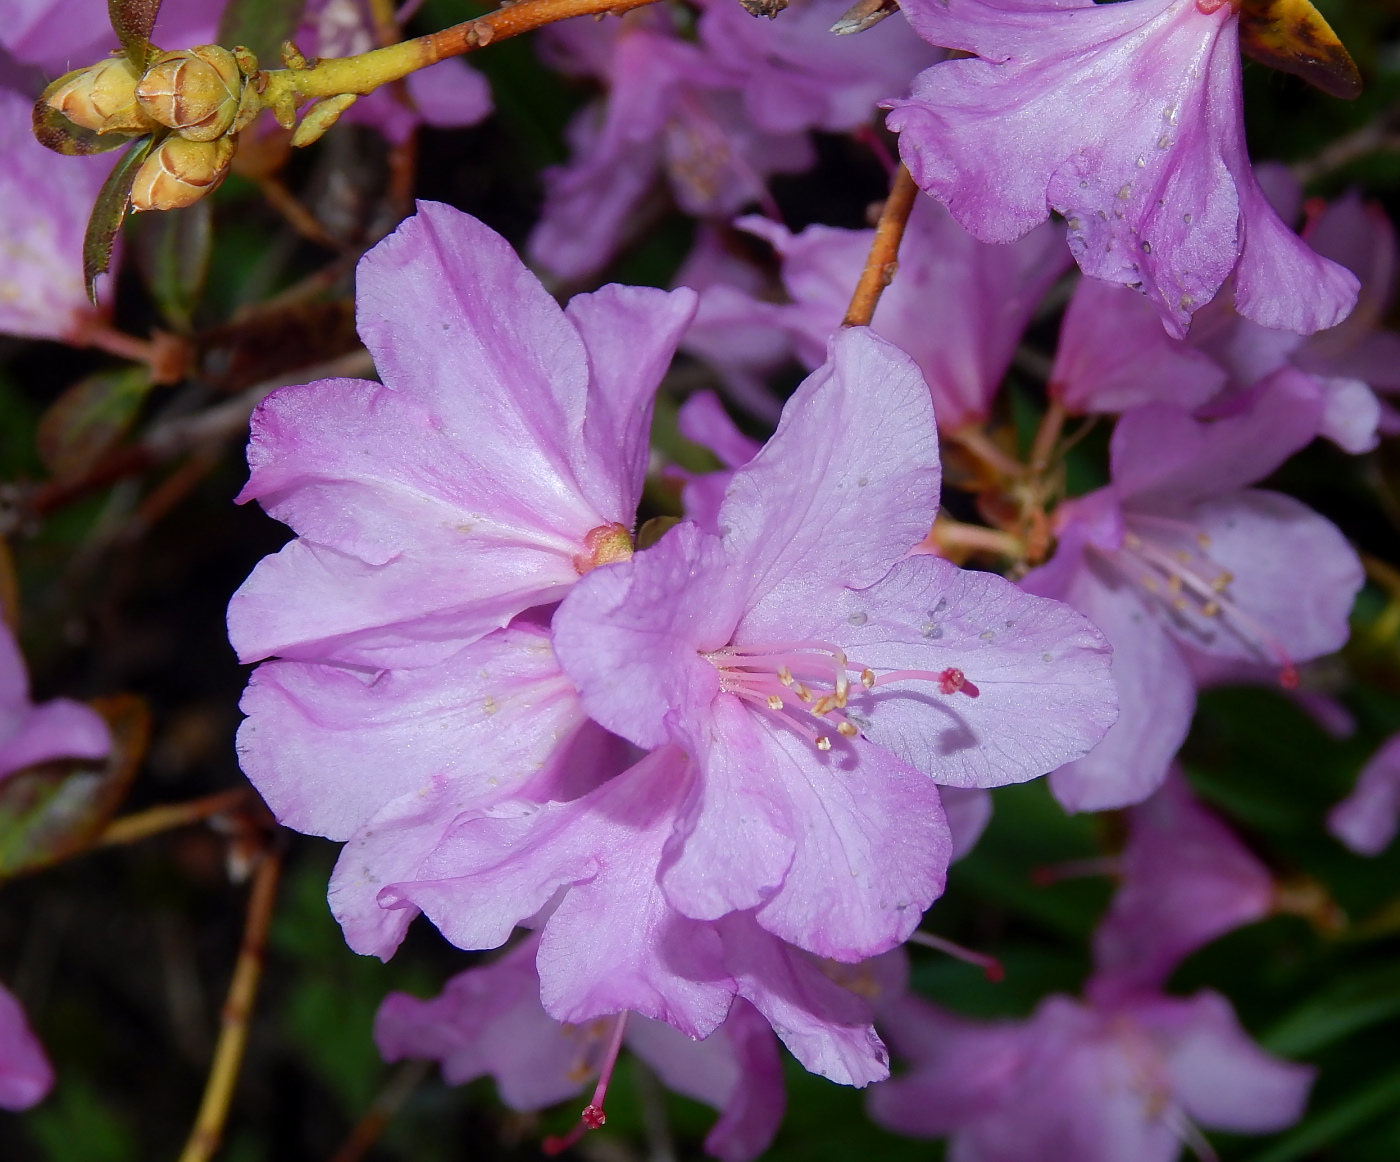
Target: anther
[(803, 693), (867, 679), (847, 730), (1222, 582), (785, 676), (823, 743), (774, 702), (1211, 608), (822, 705)]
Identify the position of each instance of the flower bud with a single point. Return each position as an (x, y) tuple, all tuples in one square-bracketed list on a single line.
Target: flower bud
[(195, 91), (179, 172), (101, 97)]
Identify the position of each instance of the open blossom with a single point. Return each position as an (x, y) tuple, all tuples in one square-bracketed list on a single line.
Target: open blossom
[(958, 306), (1127, 1073), (503, 454), (25, 1074), (795, 75), (670, 109), (47, 203), (1127, 119), (821, 681), (29, 733), (1367, 819), (489, 1020), (1346, 364), (1177, 552)]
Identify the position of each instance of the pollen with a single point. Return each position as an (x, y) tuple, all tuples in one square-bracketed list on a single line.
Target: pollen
[(847, 730), (785, 676), (774, 702), (802, 692), (823, 743), (867, 679)]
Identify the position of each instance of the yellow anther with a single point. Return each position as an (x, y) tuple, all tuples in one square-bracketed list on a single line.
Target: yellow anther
[(1132, 540), (848, 730), (1179, 605), (774, 702), (785, 676), (823, 743), (1174, 584), (867, 679), (1211, 608), (842, 694), (802, 692), (1182, 555), (1221, 583), (1203, 540), (1149, 583), (823, 704)]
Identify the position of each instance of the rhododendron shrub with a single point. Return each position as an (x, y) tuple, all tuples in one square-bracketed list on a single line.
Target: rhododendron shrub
[(677, 578)]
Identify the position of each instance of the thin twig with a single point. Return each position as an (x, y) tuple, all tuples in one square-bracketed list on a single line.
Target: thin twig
[(168, 816), (297, 216), (949, 535), (975, 441), (400, 1086), (883, 260), (233, 1033), (1052, 423)]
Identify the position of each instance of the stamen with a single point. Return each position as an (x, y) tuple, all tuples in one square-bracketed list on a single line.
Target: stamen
[(774, 702), (593, 1115), (949, 681), (1074, 869), (989, 965), (867, 679), (823, 743), (803, 693), (847, 729), (785, 676)]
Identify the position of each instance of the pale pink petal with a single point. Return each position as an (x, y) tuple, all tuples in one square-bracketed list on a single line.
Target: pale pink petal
[(827, 1028), (968, 811), (702, 420), (60, 729), (1041, 671), (1367, 819), (1219, 1075), (1114, 355), (449, 95), (25, 1074)]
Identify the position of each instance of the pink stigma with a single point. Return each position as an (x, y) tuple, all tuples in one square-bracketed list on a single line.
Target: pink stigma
[(1288, 677), (593, 1116)]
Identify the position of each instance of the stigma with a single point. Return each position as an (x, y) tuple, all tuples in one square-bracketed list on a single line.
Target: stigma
[(808, 684)]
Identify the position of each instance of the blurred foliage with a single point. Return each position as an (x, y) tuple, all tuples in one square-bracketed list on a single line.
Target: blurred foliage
[(122, 956)]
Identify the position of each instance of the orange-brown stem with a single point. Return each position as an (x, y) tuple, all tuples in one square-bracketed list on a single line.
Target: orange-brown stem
[(883, 260), (154, 820)]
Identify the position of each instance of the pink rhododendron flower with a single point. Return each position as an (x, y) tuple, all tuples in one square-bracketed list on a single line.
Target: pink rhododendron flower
[(670, 108), (1082, 1083), (30, 734), (795, 75), (823, 682), (47, 204), (25, 1074), (1128, 1073), (489, 1021), (1187, 879), (1177, 550), (1345, 363), (447, 95), (1367, 819), (503, 454), (1147, 161), (958, 306)]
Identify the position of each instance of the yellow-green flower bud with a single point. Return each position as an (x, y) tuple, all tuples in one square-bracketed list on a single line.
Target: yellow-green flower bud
[(179, 172), (101, 97), (195, 91)]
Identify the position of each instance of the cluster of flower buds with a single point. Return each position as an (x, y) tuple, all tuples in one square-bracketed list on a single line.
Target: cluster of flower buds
[(192, 103)]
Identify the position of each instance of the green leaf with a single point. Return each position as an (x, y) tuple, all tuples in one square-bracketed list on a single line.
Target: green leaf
[(54, 131), (89, 418), (52, 811), (174, 250), (108, 213), (1350, 1006), (260, 25), (133, 21)]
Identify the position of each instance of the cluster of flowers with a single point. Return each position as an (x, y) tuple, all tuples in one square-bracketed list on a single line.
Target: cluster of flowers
[(716, 769)]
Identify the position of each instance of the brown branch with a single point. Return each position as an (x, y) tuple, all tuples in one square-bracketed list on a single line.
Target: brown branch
[(297, 216), (400, 1086), (233, 1033), (513, 19), (143, 824), (882, 262)]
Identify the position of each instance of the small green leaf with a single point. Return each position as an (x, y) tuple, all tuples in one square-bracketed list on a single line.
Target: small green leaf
[(133, 21), (52, 811), (173, 250), (260, 25), (54, 131), (108, 213), (89, 418), (1350, 1006), (1327, 1126)]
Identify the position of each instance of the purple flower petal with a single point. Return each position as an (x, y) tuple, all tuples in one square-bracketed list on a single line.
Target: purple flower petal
[(25, 1074), (1367, 819)]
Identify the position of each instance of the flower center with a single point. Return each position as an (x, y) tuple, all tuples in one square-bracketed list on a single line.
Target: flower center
[(802, 681), (605, 545), (1169, 559)]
